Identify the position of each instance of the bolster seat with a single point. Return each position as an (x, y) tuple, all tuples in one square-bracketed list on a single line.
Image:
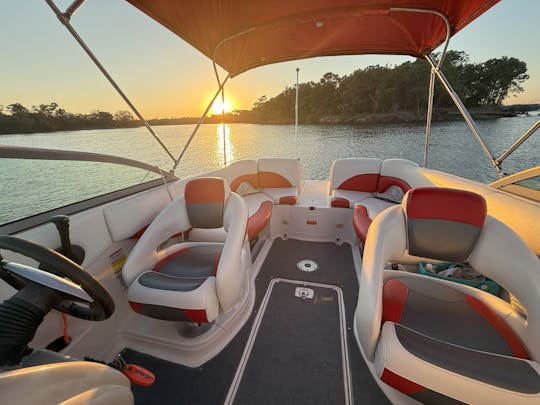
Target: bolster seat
[(191, 281), (443, 342)]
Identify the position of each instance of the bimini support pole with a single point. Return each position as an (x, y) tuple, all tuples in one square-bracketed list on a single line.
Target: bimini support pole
[(223, 127), (64, 19), (431, 90), (518, 143), (296, 117), (465, 113)]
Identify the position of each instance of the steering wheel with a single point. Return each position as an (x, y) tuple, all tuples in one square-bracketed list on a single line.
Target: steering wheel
[(78, 294)]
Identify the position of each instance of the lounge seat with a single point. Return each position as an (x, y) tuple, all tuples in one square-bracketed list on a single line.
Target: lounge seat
[(243, 177), (191, 281), (443, 342), (281, 179), (353, 180), (397, 176)]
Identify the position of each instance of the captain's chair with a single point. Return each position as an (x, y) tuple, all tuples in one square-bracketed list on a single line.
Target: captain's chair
[(443, 342), (191, 281)]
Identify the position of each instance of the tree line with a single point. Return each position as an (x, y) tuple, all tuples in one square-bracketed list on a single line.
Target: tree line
[(397, 92), (51, 117), (390, 89)]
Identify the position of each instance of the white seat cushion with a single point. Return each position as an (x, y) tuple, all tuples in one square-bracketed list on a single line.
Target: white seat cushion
[(375, 205), (352, 196), (278, 194)]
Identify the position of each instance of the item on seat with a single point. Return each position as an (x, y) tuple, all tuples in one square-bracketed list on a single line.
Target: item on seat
[(445, 342), (191, 281), (459, 273)]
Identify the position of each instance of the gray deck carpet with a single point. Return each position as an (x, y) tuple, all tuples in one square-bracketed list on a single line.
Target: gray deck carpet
[(209, 383), (296, 356)]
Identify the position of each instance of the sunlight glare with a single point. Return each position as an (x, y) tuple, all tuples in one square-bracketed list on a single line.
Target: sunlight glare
[(217, 107)]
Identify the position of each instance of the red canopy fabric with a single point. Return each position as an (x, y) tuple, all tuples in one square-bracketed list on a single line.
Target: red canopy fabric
[(243, 34)]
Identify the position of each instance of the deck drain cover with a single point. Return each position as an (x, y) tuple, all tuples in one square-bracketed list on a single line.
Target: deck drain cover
[(307, 265)]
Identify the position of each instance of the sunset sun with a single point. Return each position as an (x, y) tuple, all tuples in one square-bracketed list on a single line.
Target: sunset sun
[(219, 106)]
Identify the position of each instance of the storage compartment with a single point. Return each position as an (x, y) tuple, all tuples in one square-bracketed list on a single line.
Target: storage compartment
[(434, 270)]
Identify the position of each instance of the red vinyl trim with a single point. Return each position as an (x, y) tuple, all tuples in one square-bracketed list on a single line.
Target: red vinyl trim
[(160, 264), (446, 204), (340, 202), (136, 306), (361, 222), (196, 315), (387, 181), (139, 233), (361, 182), (273, 180), (288, 200), (205, 190), (394, 296), (400, 383), (513, 341), (259, 219), (253, 179)]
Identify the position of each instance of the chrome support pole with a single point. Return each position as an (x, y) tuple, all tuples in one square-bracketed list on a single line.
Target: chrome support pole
[(518, 143), (25, 152), (429, 115), (223, 127), (296, 118), (201, 120), (73, 8), (463, 110), (65, 21)]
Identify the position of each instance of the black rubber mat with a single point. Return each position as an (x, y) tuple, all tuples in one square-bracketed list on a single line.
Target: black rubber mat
[(209, 383), (296, 357)]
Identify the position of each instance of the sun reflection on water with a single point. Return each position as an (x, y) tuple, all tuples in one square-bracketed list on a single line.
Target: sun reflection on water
[(225, 148)]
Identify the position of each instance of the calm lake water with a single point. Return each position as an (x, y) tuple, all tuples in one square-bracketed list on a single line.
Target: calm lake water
[(31, 186)]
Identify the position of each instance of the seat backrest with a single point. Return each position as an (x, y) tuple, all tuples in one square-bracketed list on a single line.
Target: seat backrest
[(205, 201), (397, 177), (280, 173), (355, 174), (243, 177), (443, 224)]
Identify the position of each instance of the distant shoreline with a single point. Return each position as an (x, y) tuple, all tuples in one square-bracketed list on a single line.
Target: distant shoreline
[(397, 117)]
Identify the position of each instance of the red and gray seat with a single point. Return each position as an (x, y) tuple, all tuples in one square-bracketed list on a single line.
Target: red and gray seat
[(281, 179), (443, 342), (191, 281), (353, 180), (243, 176), (397, 176)]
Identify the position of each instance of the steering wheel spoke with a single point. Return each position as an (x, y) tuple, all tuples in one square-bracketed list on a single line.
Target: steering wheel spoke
[(81, 295)]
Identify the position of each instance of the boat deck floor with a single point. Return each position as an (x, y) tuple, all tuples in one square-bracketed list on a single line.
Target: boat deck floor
[(305, 338)]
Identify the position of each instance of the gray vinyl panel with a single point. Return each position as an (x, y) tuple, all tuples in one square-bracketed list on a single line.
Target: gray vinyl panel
[(296, 357), (429, 397), (198, 261), (440, 239), (205, 215), (441, 312), (506, 372), (160, 281)]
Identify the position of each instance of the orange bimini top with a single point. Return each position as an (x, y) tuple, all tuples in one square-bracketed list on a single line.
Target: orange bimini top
[(242, 34)]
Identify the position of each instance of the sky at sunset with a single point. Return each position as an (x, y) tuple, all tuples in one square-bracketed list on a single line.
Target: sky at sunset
[(166, 77)]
